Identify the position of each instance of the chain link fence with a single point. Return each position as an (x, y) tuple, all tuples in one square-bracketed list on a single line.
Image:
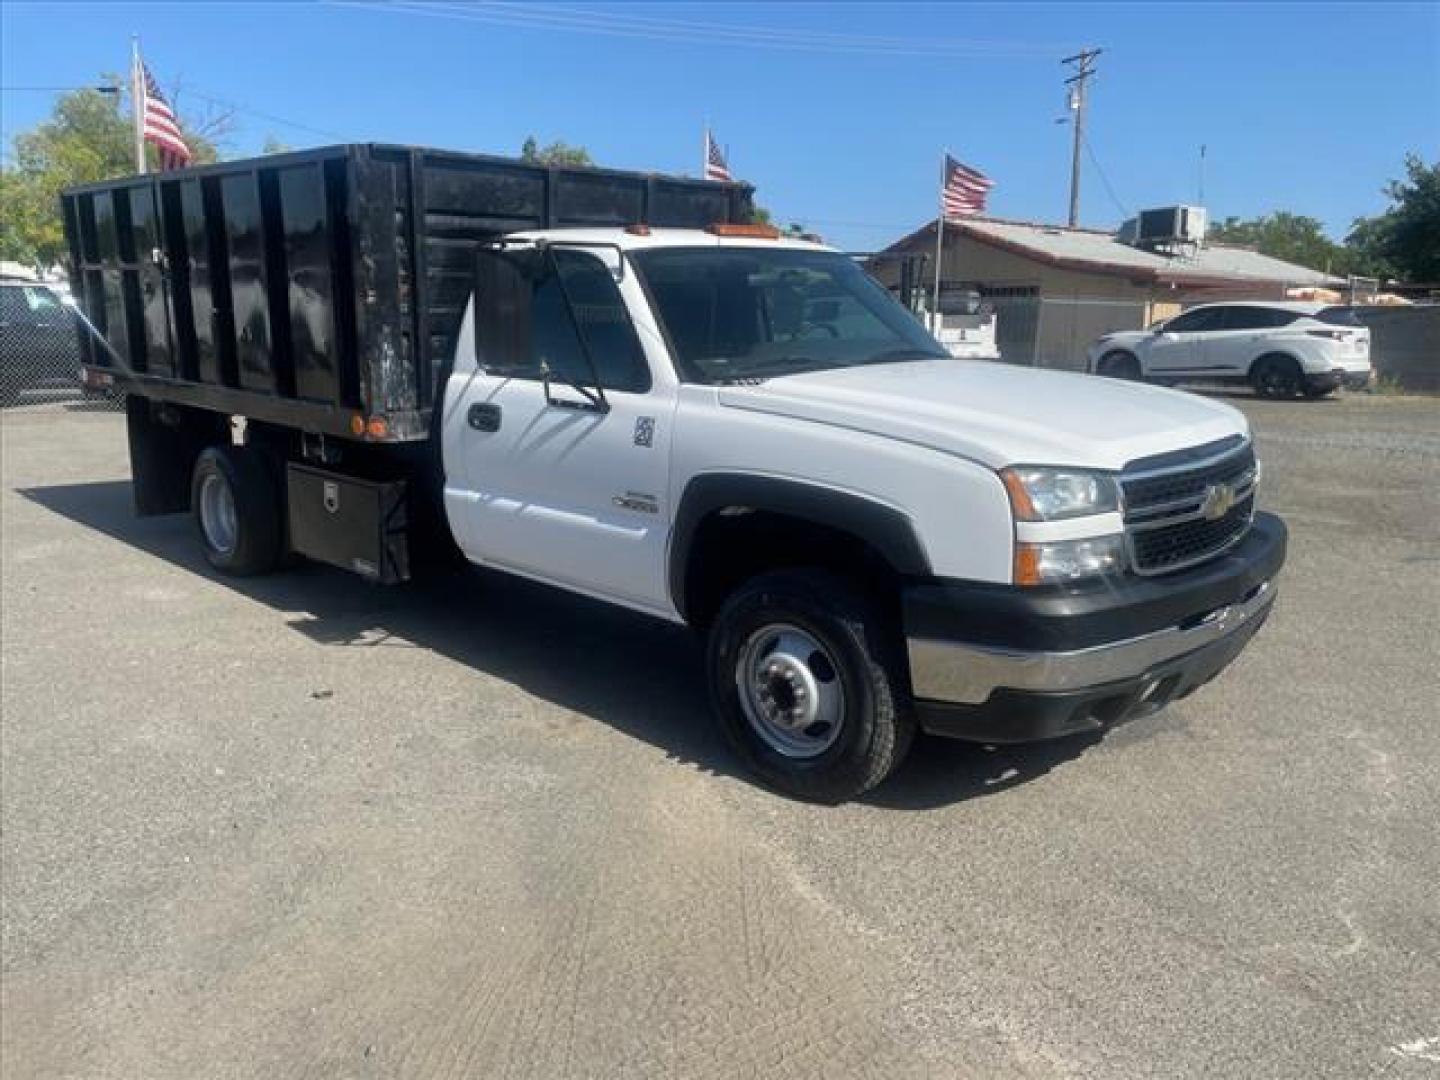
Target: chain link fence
[(40, 353)]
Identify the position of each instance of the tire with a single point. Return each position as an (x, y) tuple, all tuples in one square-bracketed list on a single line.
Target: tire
[(863, 724), (246, 538), (1119, 365), (1277, 377)]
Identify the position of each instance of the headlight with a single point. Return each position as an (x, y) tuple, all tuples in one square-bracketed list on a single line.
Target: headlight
[(1067, 560), (1043, 494)]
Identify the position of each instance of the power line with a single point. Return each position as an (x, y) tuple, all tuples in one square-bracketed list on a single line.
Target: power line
[(99, 88), (770, 32), (250, 110), (611, 24), (1109, 189)]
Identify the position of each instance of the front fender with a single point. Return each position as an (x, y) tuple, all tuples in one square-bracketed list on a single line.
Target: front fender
[(885, 528)]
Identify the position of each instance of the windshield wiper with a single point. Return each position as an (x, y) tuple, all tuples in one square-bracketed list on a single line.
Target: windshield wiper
[(903, 354), (785, 365)]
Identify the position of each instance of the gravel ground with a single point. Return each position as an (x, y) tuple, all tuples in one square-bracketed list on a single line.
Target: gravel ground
[(303, 827)]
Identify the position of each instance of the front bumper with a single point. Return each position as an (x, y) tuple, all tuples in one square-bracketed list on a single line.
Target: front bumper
[(1002, 664)]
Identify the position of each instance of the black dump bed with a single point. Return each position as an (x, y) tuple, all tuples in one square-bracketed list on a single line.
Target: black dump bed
[(324, 289)]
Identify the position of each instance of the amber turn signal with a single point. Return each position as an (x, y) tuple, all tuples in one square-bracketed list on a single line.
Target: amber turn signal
[(1019, 497), (1027, 564)]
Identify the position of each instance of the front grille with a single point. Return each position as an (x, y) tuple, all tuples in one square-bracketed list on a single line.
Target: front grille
[(1171, 547), (1176, 515)]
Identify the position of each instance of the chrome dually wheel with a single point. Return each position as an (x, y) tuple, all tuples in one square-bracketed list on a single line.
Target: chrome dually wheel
[(238, 509), (790, 690), (807, 681), (217, 513)]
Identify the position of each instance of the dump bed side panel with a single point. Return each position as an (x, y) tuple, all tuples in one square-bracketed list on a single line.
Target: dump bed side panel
[(466, 199), (324, 289), (229, 286)]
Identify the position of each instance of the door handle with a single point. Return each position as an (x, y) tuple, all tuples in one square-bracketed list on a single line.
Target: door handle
[(484, 416)]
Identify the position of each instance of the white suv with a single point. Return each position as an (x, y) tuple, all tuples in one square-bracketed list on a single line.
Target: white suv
[(1281, 348)]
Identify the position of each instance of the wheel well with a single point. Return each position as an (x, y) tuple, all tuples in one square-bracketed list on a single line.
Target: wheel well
[(733, 544), (1263, 357)]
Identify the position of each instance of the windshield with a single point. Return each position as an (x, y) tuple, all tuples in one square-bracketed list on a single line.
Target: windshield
[(739, 313)]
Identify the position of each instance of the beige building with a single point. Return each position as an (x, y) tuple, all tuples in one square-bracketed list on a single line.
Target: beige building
[(1055, 290)]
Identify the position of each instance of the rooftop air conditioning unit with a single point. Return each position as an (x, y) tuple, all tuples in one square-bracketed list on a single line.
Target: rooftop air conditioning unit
[(1170, 225)]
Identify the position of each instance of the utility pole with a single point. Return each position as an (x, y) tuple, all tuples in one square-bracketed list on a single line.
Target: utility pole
[(1084, 64)]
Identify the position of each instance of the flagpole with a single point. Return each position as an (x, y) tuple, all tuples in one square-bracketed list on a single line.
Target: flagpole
[(939, 248), (137, 102)]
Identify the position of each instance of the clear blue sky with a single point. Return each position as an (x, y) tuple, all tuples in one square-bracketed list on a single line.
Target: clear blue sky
[(1308, 107)]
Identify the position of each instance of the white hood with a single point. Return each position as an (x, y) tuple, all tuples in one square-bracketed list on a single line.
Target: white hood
[(998, 414)]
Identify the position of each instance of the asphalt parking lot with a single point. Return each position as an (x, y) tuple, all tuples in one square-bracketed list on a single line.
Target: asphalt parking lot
[(303, 827)]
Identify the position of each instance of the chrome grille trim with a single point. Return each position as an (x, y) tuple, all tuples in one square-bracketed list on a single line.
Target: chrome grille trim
[(1191, 509), (1152, 552)]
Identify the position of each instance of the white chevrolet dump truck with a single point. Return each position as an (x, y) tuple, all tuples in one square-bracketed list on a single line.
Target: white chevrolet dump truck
[(611, 383)]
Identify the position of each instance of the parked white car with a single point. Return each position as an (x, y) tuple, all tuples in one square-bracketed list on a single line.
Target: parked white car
[(1281, 348)]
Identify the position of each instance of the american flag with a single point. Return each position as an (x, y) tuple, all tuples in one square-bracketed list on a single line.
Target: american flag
[(715, 167), (965, 189), (161, 127)]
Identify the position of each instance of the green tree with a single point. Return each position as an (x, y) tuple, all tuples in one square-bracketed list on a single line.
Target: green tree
[(1404, 241), (557, 153), (1294, 238), (1365, 249), (272, 145), (86, 138)]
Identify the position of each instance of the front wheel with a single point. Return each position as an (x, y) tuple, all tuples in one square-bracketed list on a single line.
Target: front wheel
[(808, 685)]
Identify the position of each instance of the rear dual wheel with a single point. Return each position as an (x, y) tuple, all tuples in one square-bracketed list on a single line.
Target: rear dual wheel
[(236, 503)]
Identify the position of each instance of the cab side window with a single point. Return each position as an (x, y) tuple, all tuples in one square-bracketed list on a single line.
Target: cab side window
[(575, 310)]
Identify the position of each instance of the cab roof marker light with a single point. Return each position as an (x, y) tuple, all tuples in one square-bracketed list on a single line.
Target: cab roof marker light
[(753, 231)]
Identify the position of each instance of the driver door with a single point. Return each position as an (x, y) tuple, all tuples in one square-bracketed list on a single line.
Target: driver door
[(564, 480)]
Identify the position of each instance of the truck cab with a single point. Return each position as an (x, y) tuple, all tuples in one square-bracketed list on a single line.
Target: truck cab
[(748, 435)]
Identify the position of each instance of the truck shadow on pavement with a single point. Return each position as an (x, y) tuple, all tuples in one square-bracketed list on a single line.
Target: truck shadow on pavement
[(640, 676)]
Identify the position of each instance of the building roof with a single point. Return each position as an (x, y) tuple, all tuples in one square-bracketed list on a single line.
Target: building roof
[(1096, 252)]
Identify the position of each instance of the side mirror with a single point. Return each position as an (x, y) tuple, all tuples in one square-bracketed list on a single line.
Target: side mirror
[(504, 286)]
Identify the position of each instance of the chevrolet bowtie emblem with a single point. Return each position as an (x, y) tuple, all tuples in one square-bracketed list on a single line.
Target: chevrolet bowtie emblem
[(1219, 498)]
